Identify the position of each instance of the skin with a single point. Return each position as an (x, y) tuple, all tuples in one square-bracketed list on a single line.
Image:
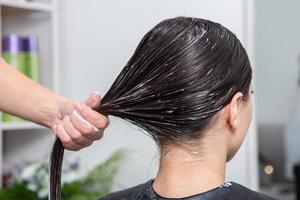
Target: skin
[(185, 173), (75, 123)]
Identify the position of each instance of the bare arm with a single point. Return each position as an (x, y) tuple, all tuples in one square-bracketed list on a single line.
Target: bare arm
[(25, 98), (75, 123)]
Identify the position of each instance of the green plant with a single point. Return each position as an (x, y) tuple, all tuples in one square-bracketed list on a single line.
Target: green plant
[(16, 192), (95, 184)]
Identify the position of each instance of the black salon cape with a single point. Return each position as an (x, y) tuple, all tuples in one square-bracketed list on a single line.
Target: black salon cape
[(228, 191)]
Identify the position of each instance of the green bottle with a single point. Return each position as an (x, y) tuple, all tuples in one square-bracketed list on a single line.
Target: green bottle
[(13, 54), (32, 61)]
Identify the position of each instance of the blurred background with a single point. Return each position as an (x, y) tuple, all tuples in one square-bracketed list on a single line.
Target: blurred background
[(76, 46)]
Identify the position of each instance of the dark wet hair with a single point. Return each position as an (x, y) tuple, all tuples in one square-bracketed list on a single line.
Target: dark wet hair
[(181, 74)]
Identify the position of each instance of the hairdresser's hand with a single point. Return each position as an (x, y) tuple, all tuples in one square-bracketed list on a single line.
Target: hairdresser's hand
[(78, 126)]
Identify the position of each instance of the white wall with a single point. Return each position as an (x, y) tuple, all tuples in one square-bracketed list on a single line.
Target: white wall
[(277, 48), (98, 38)]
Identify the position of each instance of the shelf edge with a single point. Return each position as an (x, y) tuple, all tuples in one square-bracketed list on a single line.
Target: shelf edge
[(20, 126), (27, 5)]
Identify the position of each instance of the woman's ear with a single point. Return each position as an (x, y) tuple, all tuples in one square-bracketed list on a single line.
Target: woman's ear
[(233, 108)]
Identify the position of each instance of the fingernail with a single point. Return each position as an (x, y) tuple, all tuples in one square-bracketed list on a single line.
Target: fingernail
[(95, 92), (95, 128), (95, 95)]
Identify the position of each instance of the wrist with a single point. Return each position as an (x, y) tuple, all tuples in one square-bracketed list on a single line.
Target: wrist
[(55, 110)]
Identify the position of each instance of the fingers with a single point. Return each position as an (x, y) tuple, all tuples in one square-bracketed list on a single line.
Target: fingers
[(96, 119), (75, 135), (60, 132), (93, 100), (79, 125), (92, 130)]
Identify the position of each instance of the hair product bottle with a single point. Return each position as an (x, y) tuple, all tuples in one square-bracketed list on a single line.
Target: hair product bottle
[(13, 54), (32, 61)]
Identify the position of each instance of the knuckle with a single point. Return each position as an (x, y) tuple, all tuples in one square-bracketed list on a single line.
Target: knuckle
[(88, 129), (76, 136), (67, 142), (99, 136), (103, 123)]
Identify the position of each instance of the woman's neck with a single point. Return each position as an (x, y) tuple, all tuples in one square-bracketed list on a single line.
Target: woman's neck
[(182, 174)]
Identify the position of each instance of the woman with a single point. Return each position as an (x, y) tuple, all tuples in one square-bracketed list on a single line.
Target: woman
[(188, 85)]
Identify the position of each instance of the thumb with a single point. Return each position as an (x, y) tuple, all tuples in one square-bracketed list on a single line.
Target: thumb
[(93, 100)]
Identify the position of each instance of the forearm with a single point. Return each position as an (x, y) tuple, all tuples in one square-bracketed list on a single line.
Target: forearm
[(25, 98)]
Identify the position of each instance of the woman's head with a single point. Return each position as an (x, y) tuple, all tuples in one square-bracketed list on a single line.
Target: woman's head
[(185, 75)]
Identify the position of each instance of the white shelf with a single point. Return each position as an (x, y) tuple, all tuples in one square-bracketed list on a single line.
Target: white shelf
[(20, 126), (34, 6), (38, 18)]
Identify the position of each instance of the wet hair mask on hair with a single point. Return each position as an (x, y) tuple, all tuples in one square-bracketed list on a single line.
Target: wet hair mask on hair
[(181, 74)]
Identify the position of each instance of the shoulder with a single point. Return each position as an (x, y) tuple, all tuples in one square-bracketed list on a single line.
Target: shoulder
[(242, 192), (228, 191), (135, 192)]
